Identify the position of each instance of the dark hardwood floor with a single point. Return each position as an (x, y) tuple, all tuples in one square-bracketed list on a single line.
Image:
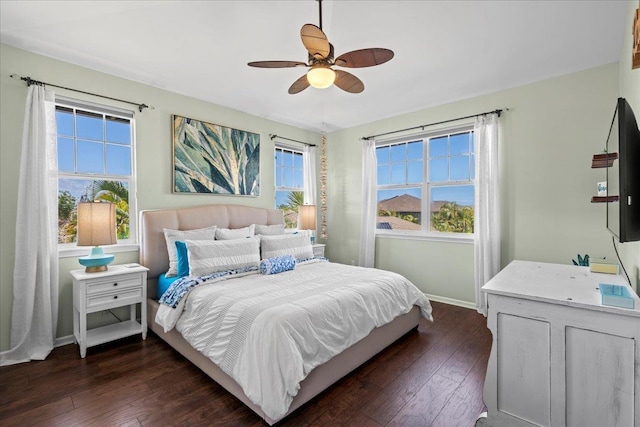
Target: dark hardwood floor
[(429, 377)]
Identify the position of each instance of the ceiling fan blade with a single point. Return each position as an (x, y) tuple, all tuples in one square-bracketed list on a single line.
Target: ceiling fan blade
[(315, 41), (348, 82), (276, 64), (364, 57), (299, 85)]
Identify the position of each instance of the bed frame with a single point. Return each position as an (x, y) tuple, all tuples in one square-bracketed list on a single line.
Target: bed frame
[(153, 255)]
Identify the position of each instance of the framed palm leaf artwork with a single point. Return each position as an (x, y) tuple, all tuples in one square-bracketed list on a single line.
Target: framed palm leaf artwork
[(213, 159)]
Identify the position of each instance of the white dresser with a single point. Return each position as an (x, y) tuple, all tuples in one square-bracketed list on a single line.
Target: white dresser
[(559, 357)]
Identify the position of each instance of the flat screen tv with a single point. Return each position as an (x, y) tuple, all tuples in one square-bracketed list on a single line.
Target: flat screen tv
[(623, 176)]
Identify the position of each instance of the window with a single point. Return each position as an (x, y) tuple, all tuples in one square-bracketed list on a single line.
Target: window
[(289, 173), (95, 147), (426, 184)]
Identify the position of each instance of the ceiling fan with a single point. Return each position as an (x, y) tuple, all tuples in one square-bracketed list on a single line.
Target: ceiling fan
[(321, 59)]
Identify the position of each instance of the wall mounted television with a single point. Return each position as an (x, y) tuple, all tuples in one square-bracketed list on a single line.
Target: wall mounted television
[(623, 176)]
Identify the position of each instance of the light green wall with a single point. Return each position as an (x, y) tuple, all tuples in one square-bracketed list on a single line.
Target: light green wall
[(153, 151), (630, 90), (546, 143)]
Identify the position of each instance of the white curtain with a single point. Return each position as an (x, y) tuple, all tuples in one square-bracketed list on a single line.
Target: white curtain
[(487, 215), (35, 276), (309, 179), (369, 208)]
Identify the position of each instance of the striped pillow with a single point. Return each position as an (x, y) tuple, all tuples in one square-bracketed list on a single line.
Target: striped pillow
[(211, 256), (270, 230), (235, 233), (297, 245), (171, 236)]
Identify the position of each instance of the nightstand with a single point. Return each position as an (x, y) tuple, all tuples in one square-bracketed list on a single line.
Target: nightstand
[(119, 286), (318, 249)]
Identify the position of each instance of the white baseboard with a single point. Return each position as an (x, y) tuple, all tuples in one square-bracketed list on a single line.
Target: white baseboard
[(60, 341), (451, 301)]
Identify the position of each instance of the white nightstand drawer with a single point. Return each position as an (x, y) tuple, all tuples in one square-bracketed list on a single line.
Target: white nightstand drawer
[(112, 284), (119, 297)]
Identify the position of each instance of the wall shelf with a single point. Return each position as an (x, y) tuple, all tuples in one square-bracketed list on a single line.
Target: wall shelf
[(603, 160), (604, 199)]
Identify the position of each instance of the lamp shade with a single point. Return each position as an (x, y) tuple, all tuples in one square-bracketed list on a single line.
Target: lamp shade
[(307, 217), (321, 77), (96, 224)]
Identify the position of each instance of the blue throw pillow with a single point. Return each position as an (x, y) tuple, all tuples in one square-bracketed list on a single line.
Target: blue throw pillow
[(277, 264), (183, 259)]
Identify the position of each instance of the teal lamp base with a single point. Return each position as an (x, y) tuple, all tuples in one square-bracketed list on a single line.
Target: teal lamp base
[(96, 261)]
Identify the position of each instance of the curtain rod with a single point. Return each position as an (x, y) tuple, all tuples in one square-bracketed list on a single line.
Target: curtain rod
[(29, 81), (498, 112), (272, 136)]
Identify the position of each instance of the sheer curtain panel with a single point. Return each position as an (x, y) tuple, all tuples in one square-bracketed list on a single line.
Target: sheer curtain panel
[(35, 275), (369, 209), (487, 215), (309, 179)]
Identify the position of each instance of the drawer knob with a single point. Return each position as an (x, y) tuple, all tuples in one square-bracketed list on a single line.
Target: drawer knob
[(115, 297), (115, 284)]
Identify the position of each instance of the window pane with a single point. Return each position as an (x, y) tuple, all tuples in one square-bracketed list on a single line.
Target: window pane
[(287, 158), (438, 170), (439, 147), (90, 157), (399, 209), (297, 161), (382, 154), (279, 173), (89, 125), (288, 177), (452, 209), (118, 160), (278, 157), (288, 202), (414, 150), (65, 155), (298, 179), (72, 191), (460, 168), (398, 173), (119, 131), (399, 153), (459, 144), (414, 172), (473, 167), (64, 121), (383, 175)]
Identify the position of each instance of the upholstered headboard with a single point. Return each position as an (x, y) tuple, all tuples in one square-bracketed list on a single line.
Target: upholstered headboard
[(153, 249)]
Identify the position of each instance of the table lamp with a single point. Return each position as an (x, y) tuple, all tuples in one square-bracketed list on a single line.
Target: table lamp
[(307, 219), (96, 226)]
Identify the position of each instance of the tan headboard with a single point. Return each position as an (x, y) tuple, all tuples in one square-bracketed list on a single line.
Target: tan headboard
[(153, 249)]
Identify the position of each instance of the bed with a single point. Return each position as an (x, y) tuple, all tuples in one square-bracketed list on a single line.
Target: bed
[(154, 255)]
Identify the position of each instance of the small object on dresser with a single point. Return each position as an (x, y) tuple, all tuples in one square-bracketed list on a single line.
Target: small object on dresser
[(616, 295), (602, 265)]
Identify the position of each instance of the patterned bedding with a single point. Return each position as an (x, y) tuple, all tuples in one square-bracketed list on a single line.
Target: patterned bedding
[(269, 331)]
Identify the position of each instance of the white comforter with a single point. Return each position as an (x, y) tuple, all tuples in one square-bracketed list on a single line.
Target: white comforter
[(269, 332)]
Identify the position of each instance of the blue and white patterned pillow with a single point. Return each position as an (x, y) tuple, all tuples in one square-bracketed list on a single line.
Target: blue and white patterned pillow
[(278, 264)]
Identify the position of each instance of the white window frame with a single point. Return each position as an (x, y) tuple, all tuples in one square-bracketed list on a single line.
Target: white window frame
[(426, 186), (296, 150), (131, 244)]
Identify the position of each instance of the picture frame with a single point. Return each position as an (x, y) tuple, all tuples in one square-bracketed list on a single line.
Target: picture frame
[(214, 159)]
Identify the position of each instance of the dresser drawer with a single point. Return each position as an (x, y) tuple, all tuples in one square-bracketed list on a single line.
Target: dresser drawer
[(112, 284), (120, 297)]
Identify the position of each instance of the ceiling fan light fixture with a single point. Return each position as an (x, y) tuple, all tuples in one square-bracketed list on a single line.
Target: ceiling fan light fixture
[(321, 77)]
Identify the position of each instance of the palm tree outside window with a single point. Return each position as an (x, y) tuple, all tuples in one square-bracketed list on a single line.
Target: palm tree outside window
[(289, 177)]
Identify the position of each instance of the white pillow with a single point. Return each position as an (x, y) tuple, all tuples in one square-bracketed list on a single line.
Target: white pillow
[(297, 245), (171, 236), (235, 233), (269, 230), (210, 256)]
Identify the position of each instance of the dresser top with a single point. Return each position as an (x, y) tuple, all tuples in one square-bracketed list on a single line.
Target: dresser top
[(113, 270), (557, 283)]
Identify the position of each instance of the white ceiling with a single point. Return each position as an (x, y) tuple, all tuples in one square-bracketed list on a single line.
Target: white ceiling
[(444, 50)]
